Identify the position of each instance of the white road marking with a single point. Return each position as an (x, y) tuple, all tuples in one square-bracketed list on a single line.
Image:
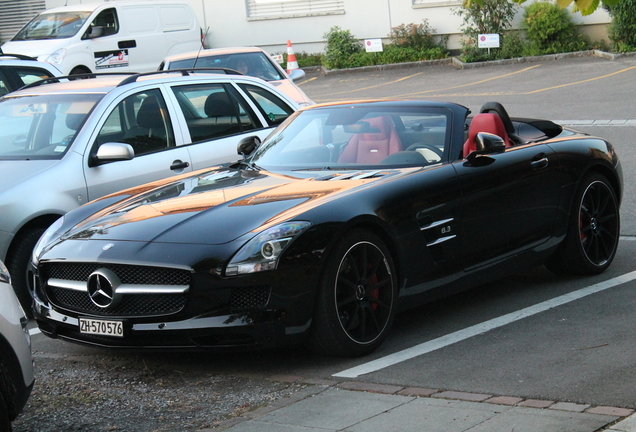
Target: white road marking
[(34, 331), (478, 329)]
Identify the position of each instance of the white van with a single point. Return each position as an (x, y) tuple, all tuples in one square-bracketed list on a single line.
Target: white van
[(112, 36)]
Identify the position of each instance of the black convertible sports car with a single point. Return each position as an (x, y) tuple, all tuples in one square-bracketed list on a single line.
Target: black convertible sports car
[(344, 215)]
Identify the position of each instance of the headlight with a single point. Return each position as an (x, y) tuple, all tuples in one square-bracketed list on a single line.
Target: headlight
[(262, 252), (4, 273), (57, 57), (45, 239)]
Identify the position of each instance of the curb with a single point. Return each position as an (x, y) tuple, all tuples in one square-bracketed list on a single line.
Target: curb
[(455, 61), (317, 386)]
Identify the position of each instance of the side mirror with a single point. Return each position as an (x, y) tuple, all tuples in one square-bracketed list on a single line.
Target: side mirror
[(247, 145), (486, 144), (297, 74), (112, 152)]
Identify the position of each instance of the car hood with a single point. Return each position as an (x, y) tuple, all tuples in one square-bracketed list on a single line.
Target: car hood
[(17, 171), (35, 48), (216, 207)]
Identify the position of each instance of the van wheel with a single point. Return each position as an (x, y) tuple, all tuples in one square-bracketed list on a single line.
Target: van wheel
[(79, 70), (18, 265)]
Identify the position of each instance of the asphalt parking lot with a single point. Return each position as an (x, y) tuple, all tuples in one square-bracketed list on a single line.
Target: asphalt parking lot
[(581, 351)]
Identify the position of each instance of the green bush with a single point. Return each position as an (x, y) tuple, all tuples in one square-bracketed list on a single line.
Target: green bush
[(419, 37), (492, 16), (410, 42), (304, 59), (622, 29), (550, 30), (341, 49)]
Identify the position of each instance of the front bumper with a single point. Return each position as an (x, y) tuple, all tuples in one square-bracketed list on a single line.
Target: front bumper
[(256, 329)]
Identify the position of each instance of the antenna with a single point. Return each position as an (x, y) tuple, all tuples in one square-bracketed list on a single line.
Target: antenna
[(201, 47)]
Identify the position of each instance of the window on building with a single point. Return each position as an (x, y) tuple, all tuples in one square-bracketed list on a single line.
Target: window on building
[(432, 3), (273, 9)]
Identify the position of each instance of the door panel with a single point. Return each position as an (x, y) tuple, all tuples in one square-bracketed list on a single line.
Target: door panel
[(510, 201)]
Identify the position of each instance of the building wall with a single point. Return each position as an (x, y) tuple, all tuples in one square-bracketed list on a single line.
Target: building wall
[(227, 23)]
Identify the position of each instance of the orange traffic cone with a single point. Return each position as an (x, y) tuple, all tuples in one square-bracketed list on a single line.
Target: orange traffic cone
[(292, 63)]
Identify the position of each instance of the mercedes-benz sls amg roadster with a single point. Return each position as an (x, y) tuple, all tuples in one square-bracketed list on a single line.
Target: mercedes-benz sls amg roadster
[(345, 215)]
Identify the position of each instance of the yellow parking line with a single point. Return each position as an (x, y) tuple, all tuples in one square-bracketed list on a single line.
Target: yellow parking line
[(379, 85), (581, 82), (306, 81), (469, 84)]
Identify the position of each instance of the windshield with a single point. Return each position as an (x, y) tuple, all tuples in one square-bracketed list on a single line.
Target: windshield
[(357, 138), (57, 25), (254, 64), (41, 127)]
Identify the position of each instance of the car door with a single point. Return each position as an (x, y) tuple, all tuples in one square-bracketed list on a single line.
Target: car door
[(509, 203), (216, 117), (144, 121)]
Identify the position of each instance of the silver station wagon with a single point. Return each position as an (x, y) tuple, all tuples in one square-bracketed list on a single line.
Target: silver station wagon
[(67, 141)]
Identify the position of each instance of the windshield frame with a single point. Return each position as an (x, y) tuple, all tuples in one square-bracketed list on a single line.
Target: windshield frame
[(404, 121)]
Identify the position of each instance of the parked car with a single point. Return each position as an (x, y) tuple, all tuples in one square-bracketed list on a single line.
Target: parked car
[(97, 36), (251, 61), (65, 143), (343, 216), (17, 71), (16, 364)]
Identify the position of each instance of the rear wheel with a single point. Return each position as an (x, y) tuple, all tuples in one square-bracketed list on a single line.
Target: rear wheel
[(357, 296), (593, 230)]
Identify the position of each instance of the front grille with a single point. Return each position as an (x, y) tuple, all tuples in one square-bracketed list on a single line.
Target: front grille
[(131, 304), (245, 299), (151, 304), (128, 274)]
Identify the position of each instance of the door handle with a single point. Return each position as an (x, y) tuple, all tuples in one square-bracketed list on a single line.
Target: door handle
[(127, 44), (540, 161), (179, 165)]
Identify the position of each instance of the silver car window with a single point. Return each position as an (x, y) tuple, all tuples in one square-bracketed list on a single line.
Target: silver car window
[(41, 127)]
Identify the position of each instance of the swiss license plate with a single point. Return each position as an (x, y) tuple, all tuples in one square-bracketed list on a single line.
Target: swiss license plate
[(101, 327)]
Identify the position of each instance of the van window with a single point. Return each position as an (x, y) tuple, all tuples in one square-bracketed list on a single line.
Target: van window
[(105, 24), (212, 112), (140, 120), (58, 25)]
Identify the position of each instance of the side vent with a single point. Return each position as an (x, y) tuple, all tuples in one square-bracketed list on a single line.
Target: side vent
[(435, 233)]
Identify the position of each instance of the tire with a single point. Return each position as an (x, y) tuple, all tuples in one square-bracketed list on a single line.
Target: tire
[(79, 70), (18, 265), (593, 230), (355, 306), (5, 421)]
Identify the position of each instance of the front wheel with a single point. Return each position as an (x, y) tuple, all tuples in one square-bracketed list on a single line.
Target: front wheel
[(356, 299), (18, 265), (593, 230)]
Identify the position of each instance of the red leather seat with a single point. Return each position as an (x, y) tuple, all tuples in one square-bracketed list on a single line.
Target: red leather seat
[(372, 147), (485, 122)]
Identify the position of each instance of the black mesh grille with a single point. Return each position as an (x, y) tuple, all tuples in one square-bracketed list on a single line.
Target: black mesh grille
[(244, 299), (127, 274), (131, 304)]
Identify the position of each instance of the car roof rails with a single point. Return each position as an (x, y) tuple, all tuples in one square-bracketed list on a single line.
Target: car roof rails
[(51, 80), (183, 72), (18, 56)]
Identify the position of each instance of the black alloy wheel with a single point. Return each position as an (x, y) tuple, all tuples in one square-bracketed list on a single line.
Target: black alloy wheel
[(593, 232), (356, 302)]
